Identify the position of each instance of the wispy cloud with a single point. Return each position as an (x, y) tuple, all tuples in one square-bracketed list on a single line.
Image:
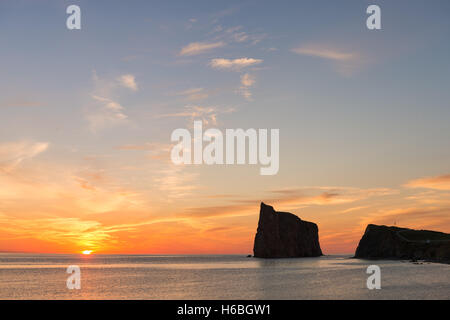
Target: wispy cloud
[(155, 150), (236, 34), (225, 12), (194, 94), (325, 53), (196, 48), (128, 81), (13, 153), (345, 62), (20, 102), (191, 22), (110, 113), (234, 210), (437, 183), (291, 198), (105, 110), (234, 64), (430, 217), (149, 146), (175, 182), (240, 37), (247, 81), (207, 114), (353, 209)]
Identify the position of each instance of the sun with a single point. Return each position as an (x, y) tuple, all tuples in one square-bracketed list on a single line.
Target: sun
[(87, 252)]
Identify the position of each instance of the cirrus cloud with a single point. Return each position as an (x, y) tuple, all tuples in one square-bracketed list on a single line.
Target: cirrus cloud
[(194, 94), (344, 61), (13, 153), (207, 114), (110, 113), (195, 48), (233, 64), (438, 183), (324, 53)]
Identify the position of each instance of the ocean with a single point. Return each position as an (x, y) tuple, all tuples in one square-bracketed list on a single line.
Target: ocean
[(43, 276)]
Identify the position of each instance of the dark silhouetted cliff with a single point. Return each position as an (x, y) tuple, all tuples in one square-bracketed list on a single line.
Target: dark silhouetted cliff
[(383, 242), (284, 235)]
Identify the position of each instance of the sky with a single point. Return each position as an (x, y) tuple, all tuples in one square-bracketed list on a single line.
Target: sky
[(86, 118)]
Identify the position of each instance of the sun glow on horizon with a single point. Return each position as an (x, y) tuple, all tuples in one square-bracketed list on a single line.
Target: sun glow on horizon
[(87, 252)]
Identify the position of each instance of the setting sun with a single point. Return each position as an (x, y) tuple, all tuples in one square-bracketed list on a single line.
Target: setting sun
[(87, 252)]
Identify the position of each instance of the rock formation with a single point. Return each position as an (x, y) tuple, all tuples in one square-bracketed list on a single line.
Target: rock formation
[(284, 235), (383, 242)]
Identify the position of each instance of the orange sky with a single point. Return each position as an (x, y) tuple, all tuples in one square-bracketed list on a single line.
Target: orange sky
[(62, 210)]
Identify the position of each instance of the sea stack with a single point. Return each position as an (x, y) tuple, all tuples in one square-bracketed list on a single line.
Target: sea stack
[(383, 242), (284, 235)]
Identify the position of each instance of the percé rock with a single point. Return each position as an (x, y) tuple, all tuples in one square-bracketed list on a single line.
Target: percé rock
[(284, 235), (383, 242)]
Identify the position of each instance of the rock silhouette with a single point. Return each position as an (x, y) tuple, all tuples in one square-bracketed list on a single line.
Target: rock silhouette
[(383, 242), (284, 235)]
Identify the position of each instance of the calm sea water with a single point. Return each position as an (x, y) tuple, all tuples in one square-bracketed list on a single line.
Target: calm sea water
[(31, 276)]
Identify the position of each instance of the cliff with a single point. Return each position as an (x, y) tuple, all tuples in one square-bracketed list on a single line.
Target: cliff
[(284, 235), (383, 242)]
